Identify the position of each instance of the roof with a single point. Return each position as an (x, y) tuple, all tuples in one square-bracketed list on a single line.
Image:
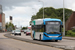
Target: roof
[(42, 21), (52, 19)]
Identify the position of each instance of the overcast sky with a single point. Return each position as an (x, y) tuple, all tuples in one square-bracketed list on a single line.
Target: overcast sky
[(21, 10)]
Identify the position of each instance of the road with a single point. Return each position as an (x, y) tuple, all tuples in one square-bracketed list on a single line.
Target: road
[(12, 44), (63, 42)]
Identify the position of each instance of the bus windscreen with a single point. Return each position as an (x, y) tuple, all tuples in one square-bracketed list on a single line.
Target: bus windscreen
[(52, 27)]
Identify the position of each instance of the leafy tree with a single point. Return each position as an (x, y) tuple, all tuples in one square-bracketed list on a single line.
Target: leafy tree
[(6, 25), (50, 12), (24, 28), (10, 26)]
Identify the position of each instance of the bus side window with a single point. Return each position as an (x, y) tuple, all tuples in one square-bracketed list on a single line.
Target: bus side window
[(42, 28), (38, 28)]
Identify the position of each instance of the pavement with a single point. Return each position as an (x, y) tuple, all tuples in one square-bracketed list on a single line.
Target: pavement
[(69, 38)]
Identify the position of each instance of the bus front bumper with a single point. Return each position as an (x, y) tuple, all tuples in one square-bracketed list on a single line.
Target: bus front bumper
[(52, 37)]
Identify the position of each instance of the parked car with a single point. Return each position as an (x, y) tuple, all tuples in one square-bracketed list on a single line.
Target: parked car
[(17, 32), (22, 30), (28, 32), (13, 31), (25, 31)]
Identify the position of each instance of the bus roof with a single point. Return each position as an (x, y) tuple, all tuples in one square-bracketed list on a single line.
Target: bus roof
[(42, 21), (37, 22), (52, 19)]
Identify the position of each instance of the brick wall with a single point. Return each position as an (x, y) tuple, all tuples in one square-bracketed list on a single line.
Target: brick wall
[(70, 22)]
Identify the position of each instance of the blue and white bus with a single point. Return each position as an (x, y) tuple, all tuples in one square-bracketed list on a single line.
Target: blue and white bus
[(47, 29)]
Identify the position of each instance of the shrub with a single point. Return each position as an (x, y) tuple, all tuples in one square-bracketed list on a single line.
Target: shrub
[(70, 33), (73, 30)]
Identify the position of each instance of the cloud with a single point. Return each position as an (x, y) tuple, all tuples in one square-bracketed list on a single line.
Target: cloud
[(21, 10), (70, 4), (21, 21), (18, 3), (8, 4), (21, 15), (53, 3)]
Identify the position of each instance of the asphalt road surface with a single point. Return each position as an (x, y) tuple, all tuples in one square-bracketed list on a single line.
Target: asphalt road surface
[(66, 42), (11, 44)]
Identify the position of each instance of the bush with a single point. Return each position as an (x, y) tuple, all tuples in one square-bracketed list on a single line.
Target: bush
[(73, 30), (70, 33)]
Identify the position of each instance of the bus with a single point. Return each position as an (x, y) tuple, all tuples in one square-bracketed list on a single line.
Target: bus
[(47, 29)]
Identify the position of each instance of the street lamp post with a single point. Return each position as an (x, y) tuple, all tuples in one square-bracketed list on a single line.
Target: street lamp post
[(63, 20), (43, 8)]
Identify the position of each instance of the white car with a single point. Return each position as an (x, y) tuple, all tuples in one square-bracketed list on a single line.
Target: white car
[(17, 32), (13, 31)]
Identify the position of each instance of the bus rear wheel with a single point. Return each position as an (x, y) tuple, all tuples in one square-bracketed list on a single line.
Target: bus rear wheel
[(33, 37)]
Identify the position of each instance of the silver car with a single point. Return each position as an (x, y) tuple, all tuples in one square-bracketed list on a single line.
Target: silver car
[(17, 32), (13, 31)]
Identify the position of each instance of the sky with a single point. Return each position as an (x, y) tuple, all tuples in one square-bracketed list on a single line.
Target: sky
[(22, 10)]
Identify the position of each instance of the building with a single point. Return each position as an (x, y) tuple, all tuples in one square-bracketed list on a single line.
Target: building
[(2, 20), (0, 17), (70, 23)]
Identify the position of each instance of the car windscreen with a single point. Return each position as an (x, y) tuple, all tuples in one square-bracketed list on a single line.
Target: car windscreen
[(28, 31), (25, 30), (52, 27), (17, 31)]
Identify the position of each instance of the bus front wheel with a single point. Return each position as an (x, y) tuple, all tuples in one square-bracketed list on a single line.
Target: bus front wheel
[(56, 40), (40, 37)]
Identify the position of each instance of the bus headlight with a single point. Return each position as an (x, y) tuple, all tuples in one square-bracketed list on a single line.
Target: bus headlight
[(53, 36)]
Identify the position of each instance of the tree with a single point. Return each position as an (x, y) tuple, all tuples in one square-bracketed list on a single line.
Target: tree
[(24, 28), (50, 12), (10, 26), (6, 25)]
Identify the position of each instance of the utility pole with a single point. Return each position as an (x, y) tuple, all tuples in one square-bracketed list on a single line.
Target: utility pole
[(63, 19)]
